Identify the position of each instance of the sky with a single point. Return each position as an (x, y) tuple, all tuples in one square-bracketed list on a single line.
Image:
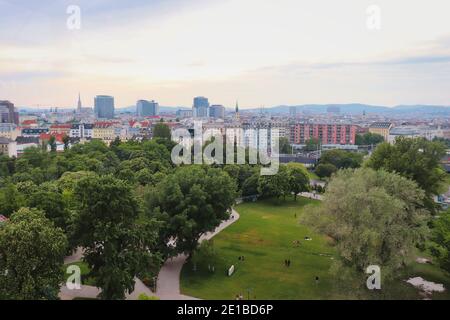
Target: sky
[(260, 52)]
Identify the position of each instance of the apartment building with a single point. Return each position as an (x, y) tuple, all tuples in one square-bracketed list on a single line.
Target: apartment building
[(381, 128), (325, 133)]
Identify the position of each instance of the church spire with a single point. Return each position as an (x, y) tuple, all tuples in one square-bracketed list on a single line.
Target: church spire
[(237, 117), (79, 103)]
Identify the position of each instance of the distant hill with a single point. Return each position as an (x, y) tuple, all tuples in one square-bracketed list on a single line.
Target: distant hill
[(357, 108), (353, 109)]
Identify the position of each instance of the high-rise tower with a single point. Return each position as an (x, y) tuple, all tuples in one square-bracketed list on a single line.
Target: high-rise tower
[(8, 113), (201, 107), (104, 107)]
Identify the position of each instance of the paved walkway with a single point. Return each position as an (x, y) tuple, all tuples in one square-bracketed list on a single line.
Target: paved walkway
[(91, 292), (168, 285), (75, 257), (310, 195), (317, 183)]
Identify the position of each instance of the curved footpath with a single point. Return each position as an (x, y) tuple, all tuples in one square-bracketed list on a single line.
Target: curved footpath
[(91, 292), (168, 284)]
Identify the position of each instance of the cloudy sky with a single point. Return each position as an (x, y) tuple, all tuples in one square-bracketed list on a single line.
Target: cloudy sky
[(262, 52)]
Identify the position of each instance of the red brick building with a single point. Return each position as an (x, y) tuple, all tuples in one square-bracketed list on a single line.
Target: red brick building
[(325, 133)]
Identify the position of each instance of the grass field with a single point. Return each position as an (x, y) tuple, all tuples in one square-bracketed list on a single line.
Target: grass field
[(264, 235)]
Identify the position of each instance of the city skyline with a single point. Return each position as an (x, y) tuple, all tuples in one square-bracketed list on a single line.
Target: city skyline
[(291, 54)]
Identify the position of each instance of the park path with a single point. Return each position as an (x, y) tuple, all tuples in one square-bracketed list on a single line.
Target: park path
[(168, 284), (92, 292), (311, 195)]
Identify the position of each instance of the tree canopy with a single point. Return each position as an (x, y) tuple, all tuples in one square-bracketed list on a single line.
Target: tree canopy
[(31, 257), (375, 217), (298, 178), (368, 139), (161, 130), (116, 246), (417, 159), (190, 202), (342, 159), (441, 239), (312, 144)]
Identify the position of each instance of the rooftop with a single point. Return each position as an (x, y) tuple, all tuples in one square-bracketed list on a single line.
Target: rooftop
[(4, 140), (381, 125)]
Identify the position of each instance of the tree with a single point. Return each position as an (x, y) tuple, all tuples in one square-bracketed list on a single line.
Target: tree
[(375, 219), (144, 177), (69, 180), (285, 146), (312, 144), (441, 238), (7, 166), (115, 143), (325, 170), (233, 171), (34, 157), (53, 205), (162, 130), (274, 186), (168, 143), (342, 159), (110, 162), (192, 201), (116, 246), (298, 178), (52, 143), (240, 173), (31, 257), (66, 141), (445, 141), (250, 186), (369, 139), (10, 200), (204, 254), (417, 159)]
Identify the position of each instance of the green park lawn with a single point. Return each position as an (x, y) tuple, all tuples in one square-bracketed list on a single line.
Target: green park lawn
[(264, 235)]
